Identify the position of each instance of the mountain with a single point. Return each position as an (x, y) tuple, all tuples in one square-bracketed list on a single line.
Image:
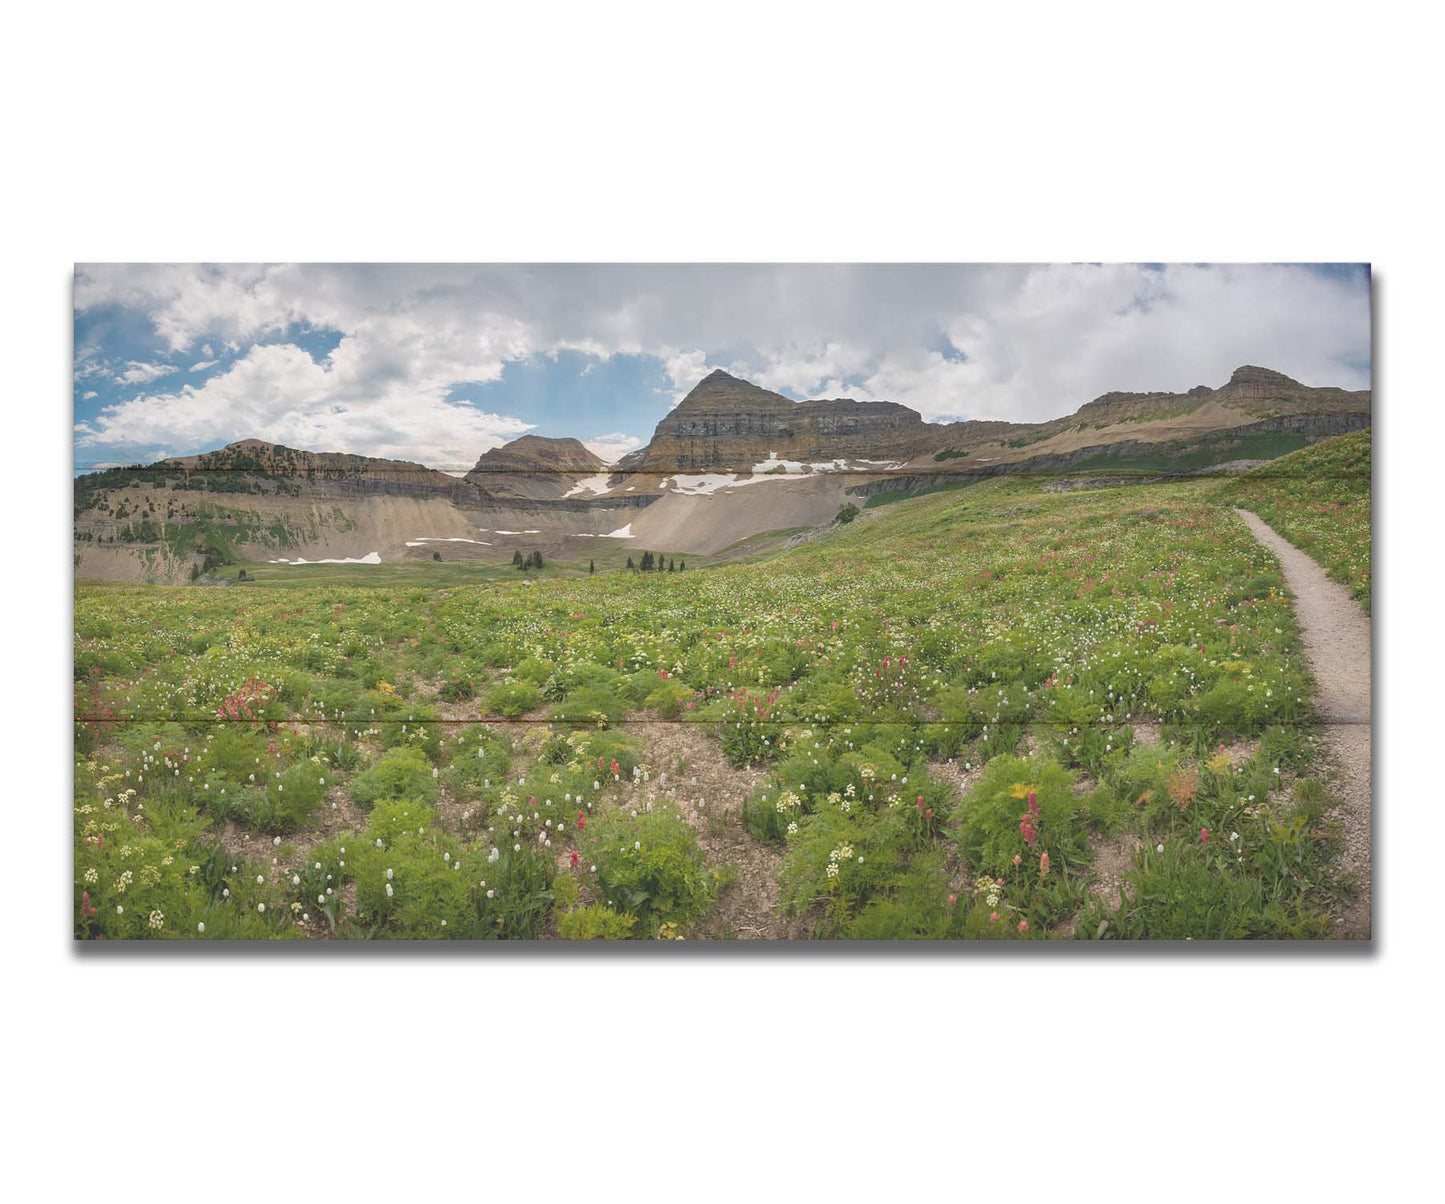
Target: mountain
[(1258, 413), (262, 466), (729, 425), (536, 467), (731, 465), (535, 453)]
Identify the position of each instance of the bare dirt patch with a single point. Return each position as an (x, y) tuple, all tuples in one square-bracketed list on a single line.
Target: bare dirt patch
[(688, 764)]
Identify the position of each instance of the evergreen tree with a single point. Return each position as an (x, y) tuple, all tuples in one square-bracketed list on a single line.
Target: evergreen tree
[(682, 566), (436, 555), (630, 564), (671, 566), (591, 567), (517, 560)]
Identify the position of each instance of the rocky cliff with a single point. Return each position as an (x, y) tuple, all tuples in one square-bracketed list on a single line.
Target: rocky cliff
[(535, 467), (729, 425)]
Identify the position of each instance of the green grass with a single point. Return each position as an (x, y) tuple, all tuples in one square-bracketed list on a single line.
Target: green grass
[(1319, 499), (889, 496), (423, 571), (1247, 447), (761, 540), (1001, 626)]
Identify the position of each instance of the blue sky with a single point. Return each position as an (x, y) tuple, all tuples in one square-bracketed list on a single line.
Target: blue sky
[(440, 363)]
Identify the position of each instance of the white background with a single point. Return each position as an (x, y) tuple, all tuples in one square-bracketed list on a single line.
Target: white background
[(730, 131)]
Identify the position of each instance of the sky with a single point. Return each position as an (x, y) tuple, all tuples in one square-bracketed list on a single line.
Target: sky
[(439, 363)]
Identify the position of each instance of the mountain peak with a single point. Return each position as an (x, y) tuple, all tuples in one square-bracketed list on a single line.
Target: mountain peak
[(1249, 374), (538, 453)]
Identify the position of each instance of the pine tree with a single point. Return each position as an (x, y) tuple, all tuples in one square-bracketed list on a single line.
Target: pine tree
[(591, 567), (671, 566), (630, 564), (682, 566), (517, 560)]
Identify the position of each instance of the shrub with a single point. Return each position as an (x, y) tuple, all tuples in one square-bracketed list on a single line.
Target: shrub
[(457, 690), (400, 773), (991, 829), (588, 704), (649, 865), (595, 923), (285, 802), (512, 698)]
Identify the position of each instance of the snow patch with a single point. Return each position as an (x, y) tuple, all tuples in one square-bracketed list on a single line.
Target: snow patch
[(701, 483), (772, 464), (594, 484), (369, 558), (425, 539), (620, 533), (529, 531)]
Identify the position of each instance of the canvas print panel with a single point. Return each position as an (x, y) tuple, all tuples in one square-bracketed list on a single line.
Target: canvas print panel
[(722, 602)]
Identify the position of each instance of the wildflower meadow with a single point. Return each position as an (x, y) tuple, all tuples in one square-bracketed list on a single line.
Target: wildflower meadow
[(998, 713)]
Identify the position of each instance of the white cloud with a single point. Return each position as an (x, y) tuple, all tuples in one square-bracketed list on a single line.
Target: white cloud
[(611, 448), (137, 373), (802, 371), (89, 395), (277, 391), (202, 365), (1038, 340), (685, 369)]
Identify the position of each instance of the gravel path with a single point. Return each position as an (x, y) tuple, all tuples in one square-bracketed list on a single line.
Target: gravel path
[(1337, 647)]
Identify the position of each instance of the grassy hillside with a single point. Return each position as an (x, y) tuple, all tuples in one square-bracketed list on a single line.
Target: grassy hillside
[(1318, 499), (942, 720)]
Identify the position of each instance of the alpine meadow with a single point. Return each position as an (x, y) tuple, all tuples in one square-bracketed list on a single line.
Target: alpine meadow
[(691, 636)]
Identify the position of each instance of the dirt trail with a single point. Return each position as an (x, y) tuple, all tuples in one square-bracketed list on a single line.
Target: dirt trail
[(1337, 647)]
